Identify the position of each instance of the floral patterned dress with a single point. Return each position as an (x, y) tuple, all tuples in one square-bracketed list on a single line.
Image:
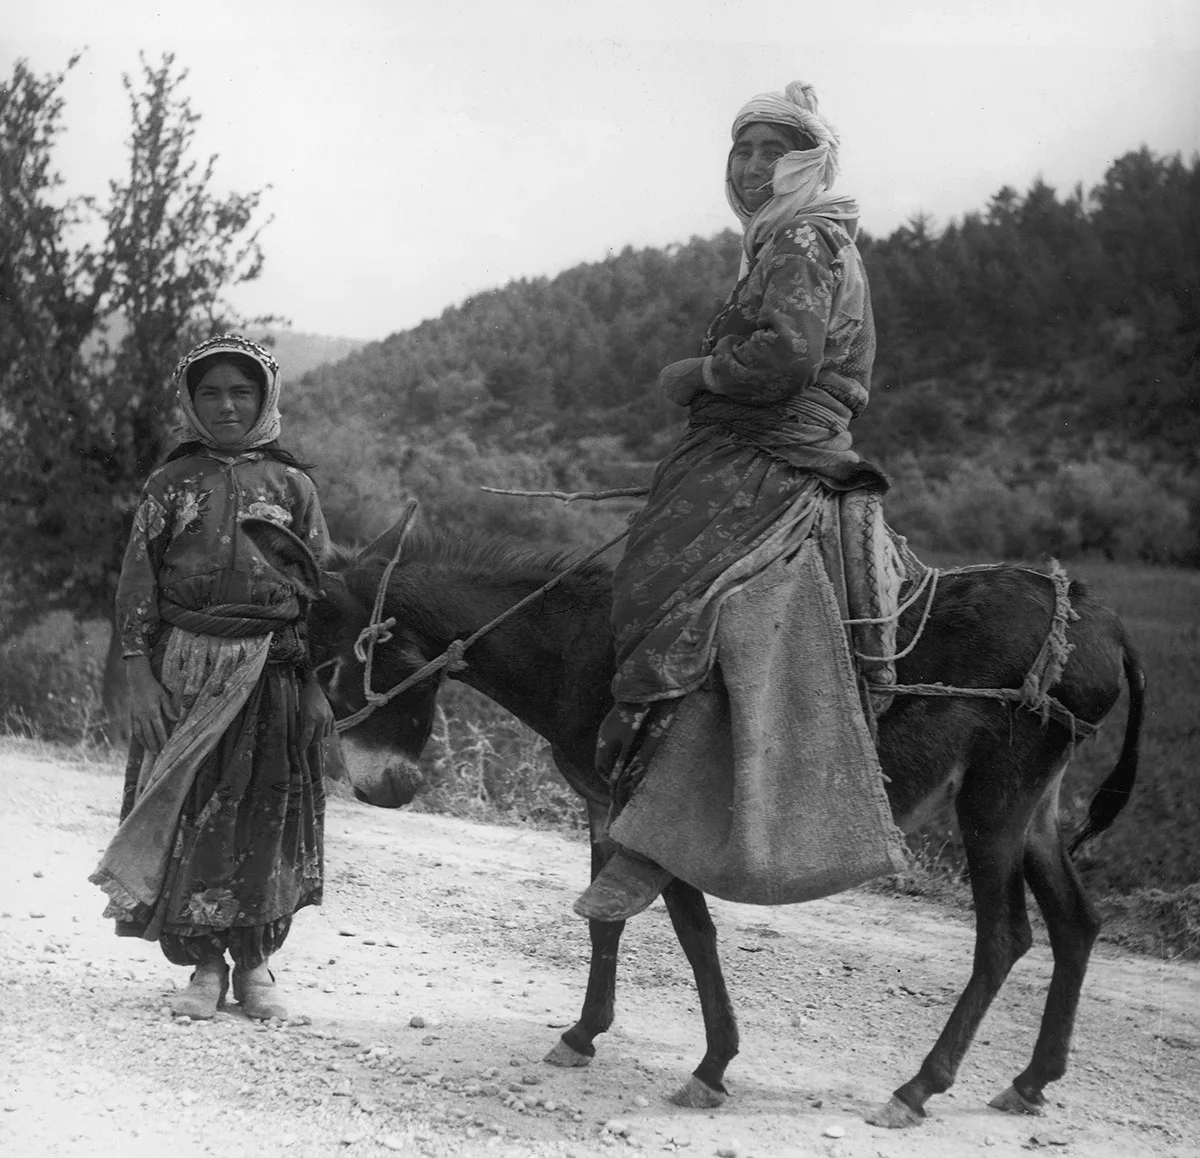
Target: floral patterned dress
[(751, 477), (246, 851)]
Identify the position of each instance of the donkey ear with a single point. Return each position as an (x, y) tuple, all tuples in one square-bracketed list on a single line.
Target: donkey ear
[(384, 547), (286, 553)]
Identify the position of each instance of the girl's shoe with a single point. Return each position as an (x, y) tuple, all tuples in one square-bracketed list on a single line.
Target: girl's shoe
[(204, 995), (257, 998)]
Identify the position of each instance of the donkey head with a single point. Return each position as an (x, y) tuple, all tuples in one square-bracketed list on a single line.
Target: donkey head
[(340, 601)]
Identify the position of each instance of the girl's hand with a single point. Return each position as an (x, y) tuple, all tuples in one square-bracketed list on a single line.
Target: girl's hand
[(151, 711), (681, 381), (316, 716)]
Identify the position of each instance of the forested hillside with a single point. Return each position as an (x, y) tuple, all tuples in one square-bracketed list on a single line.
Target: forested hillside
[(1035, 390)]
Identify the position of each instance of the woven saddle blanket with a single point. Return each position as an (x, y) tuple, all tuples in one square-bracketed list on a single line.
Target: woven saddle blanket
[(867, 563)]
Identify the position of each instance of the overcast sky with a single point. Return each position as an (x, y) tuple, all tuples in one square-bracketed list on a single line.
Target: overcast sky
[(419, 151)]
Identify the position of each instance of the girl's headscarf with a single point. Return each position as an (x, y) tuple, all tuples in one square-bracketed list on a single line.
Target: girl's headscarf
[(193, 366), (801, 177)]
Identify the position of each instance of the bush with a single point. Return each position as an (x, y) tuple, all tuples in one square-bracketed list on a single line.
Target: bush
[(1164, 924), (51, 677), (1103, 507), (1116, 510), (483, 763)]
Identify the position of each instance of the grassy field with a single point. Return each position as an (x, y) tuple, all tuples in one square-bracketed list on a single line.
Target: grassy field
[(1154, 842)]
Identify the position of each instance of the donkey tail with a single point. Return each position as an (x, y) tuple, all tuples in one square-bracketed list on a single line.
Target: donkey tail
[(1114, 793)]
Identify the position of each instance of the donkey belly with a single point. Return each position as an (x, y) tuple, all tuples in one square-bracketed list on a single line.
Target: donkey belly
[(937, 801)]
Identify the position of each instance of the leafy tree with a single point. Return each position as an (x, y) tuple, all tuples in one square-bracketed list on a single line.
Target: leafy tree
[(89, 329)]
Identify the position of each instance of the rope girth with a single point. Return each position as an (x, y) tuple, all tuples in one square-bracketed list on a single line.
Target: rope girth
[(1045, 671), (1052, 708)]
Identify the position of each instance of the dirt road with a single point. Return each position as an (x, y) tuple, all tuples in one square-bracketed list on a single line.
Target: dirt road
[(445, 963)]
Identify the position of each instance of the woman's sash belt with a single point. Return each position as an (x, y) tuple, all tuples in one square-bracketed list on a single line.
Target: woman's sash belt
[(799, 431), (232, 620)]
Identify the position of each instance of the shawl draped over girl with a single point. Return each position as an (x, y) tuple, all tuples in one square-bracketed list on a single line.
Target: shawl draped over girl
[(220, 830), (736, 509)]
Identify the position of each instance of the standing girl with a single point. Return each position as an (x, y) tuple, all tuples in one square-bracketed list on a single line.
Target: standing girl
[(221, 834)]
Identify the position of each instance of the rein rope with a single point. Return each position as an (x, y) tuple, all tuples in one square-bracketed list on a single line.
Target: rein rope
[(451, 660)]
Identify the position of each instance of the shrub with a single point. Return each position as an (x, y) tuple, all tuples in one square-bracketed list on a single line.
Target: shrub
[(50, 681), (482, 762), (1120, 512), (1104, 507), (1154, 921)]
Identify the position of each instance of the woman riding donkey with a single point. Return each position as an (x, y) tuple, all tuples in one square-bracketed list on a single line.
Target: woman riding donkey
[(221, 835), (729, 561)]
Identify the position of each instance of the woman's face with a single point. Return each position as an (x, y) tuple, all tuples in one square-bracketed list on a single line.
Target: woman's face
[(227, 402), (752, 162)]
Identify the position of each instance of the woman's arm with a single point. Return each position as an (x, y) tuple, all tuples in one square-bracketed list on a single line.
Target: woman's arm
[(308, 521), (137, 588), (784, 348), (316, 716), (151, 711), (137, 618)]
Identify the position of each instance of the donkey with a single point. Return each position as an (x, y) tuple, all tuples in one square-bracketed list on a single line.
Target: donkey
[(1000, 765)]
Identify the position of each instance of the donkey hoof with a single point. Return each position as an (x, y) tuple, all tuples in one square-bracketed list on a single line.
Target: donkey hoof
[(566, 1057), (696, 1095), (1012, 1101), (895, 1115)]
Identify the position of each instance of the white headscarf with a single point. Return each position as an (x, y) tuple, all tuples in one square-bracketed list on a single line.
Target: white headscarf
[(800, 177), (267, 425)]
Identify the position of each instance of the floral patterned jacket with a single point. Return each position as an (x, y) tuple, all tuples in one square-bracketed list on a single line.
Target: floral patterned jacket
[(186, 544), (800, 320)]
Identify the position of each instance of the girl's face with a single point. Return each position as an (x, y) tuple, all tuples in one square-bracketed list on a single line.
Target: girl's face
[(227, 402), (752, 162)]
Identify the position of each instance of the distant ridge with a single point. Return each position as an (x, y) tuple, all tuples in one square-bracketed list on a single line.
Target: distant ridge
[(298, 353)]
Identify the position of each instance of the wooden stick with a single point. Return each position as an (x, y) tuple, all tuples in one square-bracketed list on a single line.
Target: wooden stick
[(570, 497)]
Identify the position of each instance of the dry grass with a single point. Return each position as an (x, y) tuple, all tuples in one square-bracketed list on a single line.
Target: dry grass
[(484, 764)]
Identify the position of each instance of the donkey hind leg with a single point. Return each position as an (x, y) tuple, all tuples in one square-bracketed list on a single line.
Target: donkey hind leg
[(575, 1047), (1002, 935), (698, 939), (1072, 926)]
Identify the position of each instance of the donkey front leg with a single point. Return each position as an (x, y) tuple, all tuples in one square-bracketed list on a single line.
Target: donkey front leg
[(575, 1047), (698, 939)]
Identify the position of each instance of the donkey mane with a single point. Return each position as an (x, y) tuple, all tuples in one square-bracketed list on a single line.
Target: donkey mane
[(456, 566), (479, 554)]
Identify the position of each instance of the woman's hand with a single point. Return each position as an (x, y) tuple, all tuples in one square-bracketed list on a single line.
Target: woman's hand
[(316, 716), (151, 711), (681, 381)]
